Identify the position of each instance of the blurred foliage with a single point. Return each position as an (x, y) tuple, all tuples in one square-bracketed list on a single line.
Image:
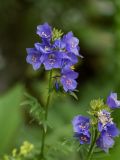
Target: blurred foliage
[(9, 117), (97, 25), (26, 151)]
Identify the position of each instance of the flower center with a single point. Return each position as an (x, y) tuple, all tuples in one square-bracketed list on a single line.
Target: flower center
[(73, 45), (83, 139), (52, 59), (82, 126), (51, 56), (47, 48), (34, 58), (44, 34), (68, 82), (104, 118)]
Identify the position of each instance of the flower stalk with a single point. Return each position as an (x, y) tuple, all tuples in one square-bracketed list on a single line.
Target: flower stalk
[(46, 116), (91, 149)]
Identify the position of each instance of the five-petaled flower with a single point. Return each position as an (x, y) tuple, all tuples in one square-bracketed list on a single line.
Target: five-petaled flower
[(68, 79), (81, 126), (44, 31), (34, 58)]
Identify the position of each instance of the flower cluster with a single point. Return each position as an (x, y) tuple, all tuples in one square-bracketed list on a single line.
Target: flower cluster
[(101, 121), (81, 126), (56, 52), (107, 129)]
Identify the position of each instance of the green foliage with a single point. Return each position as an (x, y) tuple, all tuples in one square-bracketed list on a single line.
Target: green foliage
[(56, 34), (96, 106), (65, 147), (25, 152), (73, 95), (36, 111), (10, 117)]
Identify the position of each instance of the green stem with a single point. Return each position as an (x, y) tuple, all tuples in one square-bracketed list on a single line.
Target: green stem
[(90, 152), (46, 115)]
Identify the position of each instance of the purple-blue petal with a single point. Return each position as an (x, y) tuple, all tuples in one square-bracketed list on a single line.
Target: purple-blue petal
[(51, 60), (83, 139), (112, 101), (34, 58), (112, 130), (68, 84), (44, 31), (105, 141), (81, 124)]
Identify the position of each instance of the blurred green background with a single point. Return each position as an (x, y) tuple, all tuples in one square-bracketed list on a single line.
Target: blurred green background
[(97, 24)]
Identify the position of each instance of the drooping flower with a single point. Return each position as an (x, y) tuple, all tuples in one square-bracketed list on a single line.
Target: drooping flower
[(34, 58), (83, 139), (81, 124), (105, 141), (44, 31), (112, 101), (68, 79)]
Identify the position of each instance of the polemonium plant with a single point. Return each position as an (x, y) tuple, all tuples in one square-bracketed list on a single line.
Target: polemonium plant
[(98, 130), (57, 52)]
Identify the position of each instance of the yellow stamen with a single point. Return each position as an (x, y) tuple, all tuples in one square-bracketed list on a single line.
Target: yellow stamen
[(72, 67)]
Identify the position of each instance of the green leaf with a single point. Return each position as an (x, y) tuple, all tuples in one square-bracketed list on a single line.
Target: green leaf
[(74, 95), (35, 108)]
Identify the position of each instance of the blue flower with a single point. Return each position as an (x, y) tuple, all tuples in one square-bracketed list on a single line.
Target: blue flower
[(44, 31), (105, 141), (112, 101), (69, 60), (112, 130), (34, 58), (71, 43), (60, 45), (43, 47), (51, 60), (107, 129), (83, 139), (68, 80), (81, 124), (104, 120)]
